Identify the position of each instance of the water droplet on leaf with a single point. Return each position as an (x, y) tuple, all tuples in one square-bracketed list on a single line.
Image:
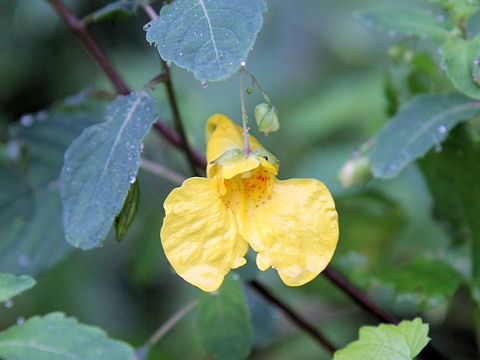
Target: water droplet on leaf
[(27, 120), (23, 260)]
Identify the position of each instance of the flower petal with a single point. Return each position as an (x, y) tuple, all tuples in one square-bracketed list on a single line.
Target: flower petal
[(292, 225), (222, 134), (199, 234)]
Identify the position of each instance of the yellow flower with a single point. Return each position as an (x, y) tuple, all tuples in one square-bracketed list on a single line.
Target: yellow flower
[(210, 222)]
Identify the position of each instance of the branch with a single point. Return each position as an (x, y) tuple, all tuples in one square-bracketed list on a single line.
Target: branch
[(429, 352), (296, 318), (164, 328), (358, 296), (162, 171), (177, 119), (78, 27)]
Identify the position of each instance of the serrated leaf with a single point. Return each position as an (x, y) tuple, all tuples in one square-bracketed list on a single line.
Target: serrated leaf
[(56, 337), (452, 176), (393, 342), (408, 20), (208, 37), (426, 282), (419, 125), (11, 285), (114, 10), (31, 231), (100, 165), (459, 56), (224, 321)]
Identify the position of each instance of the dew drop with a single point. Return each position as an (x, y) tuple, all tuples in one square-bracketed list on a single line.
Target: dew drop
[(23, 260), (438, 148), (8, 303), (42, 116), (26, 120), (180, 54), (443, 66), (442, 129), (169, 63), (204, 84), (131, 179), (243, 63), (20, 320)]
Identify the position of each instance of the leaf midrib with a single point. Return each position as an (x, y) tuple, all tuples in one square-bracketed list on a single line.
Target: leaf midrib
[(40, 347)]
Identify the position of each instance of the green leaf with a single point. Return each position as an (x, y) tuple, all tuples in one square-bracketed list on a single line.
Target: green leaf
[(100, 165), (11, 285), (461, 10), (55, 337), (408, 20), (31, 231), (210, 38), (224, 321), (392, 342), (126, 216), (426, 282), (419, 125), (452, 176), (459, 56), (115, 10)]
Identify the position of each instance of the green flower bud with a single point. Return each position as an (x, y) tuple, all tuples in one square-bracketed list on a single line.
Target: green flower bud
[(266, 117), (357, 170)]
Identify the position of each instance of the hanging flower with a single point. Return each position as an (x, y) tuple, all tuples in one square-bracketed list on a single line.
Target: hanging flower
[(211, 222)]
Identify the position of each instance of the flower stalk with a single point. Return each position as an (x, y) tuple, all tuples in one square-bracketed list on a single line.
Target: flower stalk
[(246, 134)]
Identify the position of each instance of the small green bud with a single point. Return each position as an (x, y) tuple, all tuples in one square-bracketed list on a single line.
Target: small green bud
[(357, 170), (267, 118), (129, 210)]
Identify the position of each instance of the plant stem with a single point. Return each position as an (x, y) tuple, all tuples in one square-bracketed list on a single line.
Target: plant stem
[(171, 322), (162, 171), (358, 296), (142, 352), (254, 80), (155, 80), (246, 143), (172, 100), (79, 28), (152, 14), (296, 318), (429, 352), (174, 138)]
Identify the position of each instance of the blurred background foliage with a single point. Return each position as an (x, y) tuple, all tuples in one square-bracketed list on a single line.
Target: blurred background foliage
[(326, 73)]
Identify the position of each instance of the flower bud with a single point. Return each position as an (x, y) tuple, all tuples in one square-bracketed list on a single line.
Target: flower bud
[(266, 117), (357, 170)]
